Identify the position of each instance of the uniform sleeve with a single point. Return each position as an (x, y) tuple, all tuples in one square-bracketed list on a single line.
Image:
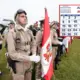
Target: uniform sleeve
[(38, 38), (39, 41), (54, 38), (14, 55)]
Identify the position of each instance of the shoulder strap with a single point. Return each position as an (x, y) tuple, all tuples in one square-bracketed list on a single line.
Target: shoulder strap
[(17, 39), (17, 34)]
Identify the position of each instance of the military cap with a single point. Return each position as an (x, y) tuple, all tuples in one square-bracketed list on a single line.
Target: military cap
[(52, 23), (41, 21), (19, 11), (11, 22)]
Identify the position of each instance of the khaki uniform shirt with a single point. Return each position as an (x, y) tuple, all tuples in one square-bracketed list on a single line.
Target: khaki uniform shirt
[(20, 45)]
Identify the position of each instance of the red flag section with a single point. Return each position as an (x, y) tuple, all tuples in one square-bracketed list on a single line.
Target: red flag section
[(46, 32)]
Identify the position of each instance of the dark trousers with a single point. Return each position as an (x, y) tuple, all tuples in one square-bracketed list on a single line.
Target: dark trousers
[(0, 46)]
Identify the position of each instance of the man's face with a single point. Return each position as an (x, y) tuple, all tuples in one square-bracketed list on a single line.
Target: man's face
[(36, 25), (11, 26), (42, 25), (22, 19)]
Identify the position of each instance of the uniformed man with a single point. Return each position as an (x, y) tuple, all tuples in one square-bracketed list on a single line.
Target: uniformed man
[(55, 38), (11, 28), (56, 43), (34, 28), (38, 42), (22, 48)]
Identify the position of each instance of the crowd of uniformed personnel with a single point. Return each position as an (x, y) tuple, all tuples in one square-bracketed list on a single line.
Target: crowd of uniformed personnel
[(23, 46)]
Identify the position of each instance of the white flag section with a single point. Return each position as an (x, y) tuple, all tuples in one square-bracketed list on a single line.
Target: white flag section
[(46, 56)]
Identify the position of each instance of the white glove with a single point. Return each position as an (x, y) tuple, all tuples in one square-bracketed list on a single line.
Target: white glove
[(35, 58), (60, 43), (1, 42)]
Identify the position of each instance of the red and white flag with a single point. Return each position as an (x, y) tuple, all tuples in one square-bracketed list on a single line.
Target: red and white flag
[(67, 42), (46, 51)]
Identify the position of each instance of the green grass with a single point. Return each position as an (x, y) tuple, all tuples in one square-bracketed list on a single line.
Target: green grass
[(68, 68), (6, 73)]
